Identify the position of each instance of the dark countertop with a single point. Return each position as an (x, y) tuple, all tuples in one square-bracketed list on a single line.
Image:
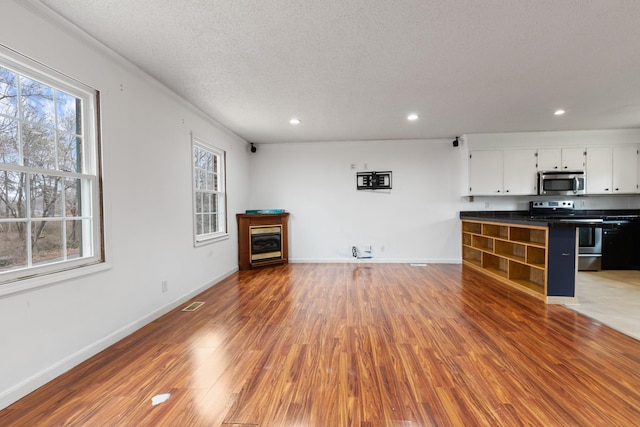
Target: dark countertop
[(601, 217)]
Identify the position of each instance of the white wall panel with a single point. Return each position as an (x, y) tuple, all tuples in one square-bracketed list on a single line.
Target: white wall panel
[(415, 221)]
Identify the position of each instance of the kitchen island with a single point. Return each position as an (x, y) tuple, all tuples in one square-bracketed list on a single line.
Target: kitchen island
[(535, 254)]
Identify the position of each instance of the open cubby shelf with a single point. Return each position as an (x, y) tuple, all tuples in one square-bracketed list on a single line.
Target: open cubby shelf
[(513, 254)]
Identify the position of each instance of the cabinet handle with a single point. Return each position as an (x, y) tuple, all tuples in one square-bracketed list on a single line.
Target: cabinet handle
[(506, 191), (617, 189), (565, 254), (606, 189)]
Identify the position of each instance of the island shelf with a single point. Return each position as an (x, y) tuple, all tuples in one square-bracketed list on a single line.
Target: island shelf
[(514, 254)]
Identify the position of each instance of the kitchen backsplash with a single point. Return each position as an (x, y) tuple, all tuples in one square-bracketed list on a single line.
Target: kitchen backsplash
[(514, 203)]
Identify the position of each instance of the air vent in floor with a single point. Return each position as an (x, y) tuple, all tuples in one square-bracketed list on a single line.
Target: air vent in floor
[(193, 306)]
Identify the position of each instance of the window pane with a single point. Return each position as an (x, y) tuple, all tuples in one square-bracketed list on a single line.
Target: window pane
[(74, 239), (8, 93), (205, 224), (72, 188), (9, 146), (46, 238), (39, 146), (46, 196), (199, 224), (214, 223), (37, 102), (69, 152), (69, 110), (202, 177), (206, 203), (214, 201), (13, 245), (12, 195), (198, 197), (210, 182), (202, 161)]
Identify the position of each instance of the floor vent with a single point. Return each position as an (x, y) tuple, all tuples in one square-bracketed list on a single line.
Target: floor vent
[(193, 306)]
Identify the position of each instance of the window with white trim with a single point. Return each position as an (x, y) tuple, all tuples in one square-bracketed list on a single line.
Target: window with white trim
[(209, 197), (49, 171)]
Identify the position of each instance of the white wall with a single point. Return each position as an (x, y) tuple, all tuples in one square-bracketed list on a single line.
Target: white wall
[(148, 213), (416, 221)]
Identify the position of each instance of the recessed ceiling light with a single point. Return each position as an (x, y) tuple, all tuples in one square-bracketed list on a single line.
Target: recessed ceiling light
[(559, 112), (412, 117), (294, 121)]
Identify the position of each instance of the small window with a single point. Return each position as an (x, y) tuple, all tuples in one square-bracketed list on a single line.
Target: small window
[(49, 171), (209, 198)]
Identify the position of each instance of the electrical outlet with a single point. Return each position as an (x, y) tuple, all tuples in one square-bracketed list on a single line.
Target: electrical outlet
[(165, 286)]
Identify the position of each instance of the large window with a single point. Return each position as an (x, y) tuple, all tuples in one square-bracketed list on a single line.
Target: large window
[(49, 180), (209, 201)]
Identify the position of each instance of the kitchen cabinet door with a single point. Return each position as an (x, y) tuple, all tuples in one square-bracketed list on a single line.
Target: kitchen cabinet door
[(573, 159), (485, 173), (612, 170), (561, 273), (557, 159), (599, 170), (549, 159), (519, 172), (625, 170)]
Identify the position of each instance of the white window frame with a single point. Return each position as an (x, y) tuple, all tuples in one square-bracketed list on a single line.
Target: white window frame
[(93, 239), (199, 236)]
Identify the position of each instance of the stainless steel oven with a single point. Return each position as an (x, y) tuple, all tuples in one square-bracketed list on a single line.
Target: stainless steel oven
[(589, 234), (589, 248)]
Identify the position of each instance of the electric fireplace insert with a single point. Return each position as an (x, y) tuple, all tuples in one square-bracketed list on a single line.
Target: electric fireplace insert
[(266, 242)]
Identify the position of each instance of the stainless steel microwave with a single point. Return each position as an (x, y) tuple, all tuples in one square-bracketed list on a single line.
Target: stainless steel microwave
[(566, 183)]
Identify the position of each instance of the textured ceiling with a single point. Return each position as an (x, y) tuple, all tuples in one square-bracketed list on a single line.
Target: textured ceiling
[(353, 70)]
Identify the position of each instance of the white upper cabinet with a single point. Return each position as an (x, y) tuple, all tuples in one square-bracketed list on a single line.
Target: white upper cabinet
[(502, 172), (561, 159), (513, 172), (485, 173), (520, 177), (599, 170), (612, 170), (625, 170)]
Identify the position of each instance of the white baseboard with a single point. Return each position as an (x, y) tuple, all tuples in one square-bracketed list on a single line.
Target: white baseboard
[(372, 261), (39, 379)]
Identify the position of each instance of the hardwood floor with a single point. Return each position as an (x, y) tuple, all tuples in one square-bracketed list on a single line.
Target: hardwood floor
[(347, 345)]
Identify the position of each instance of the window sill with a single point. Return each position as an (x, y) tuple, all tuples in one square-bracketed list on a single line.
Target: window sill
[(24, 285), (204, 242)]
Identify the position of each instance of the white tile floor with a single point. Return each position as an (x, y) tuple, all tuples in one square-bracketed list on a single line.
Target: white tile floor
[(611, 297)]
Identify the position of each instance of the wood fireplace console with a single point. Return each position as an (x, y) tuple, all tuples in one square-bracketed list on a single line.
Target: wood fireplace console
[(262, 240)]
